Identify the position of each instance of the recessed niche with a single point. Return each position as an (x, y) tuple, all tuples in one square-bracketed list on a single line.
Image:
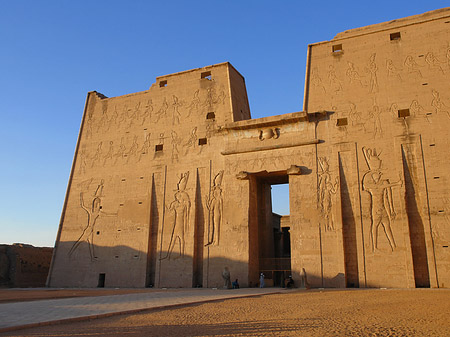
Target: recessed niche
[(123, 179), (210, 115), (120, 204), (432, 144), (435, 177), (163, 84), (202, 141), (206, 75), (116, 256), (424, 83), (395, 36), (341, 122), (98, 233), (337, 48), (141, 177), (140, 202), (159, 147), (402, 113)]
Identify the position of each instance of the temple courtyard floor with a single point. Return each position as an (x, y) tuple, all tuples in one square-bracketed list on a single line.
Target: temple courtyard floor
[(219, 312)]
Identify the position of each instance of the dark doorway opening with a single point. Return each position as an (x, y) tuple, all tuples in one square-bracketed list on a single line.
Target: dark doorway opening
[(101, 280), (273, 225)]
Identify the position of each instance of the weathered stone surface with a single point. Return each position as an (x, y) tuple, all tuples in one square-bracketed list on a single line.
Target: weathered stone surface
[(24, 265), (170, 186)]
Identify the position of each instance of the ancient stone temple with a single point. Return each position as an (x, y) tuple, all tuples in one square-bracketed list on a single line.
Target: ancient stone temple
[(171, 185)]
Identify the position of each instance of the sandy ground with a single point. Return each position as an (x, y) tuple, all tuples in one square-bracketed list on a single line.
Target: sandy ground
[(374, 312)]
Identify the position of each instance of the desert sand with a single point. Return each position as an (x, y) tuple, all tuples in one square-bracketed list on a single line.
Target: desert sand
[(359, 312)]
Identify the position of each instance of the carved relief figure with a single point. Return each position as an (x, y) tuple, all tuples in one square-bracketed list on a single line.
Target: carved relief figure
[(193, 107), (215, 209), (192, 141), (176, 114), (382, 205), (316, 81), (433, 62), (93, 210), (326, 189), (162, 110), (437, 104), (110, 153), (83, 161), (175, 142), (335, 84), (375, 115), (97, 154), (353, 75), (133, 149), (180, 208), (355, 116), (392, 71), (120, 152), (147, 114), (145, 147), (372, 70), (418, 110), (412, 66), (269, 133)]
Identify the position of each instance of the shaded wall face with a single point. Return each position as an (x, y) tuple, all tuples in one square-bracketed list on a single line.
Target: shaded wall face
[(148, 187), (385, 144)]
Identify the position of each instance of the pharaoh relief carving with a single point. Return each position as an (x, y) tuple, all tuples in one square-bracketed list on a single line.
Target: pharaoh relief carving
[(194, 105), (176, 113), (372, 69), (180, 209), (162, 110), (175, 142), (145, 147), (269, 133), (326, 189), (335, 83), (433, 63), (353, 74), (316, 80), (109, 155), (412, 67), (93, 210), (437, 104), (191, 142), (148, 110), (392, 71), (215, 210), (382, 204)]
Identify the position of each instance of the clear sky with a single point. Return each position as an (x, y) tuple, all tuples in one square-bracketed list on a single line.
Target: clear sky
[(53, 52)]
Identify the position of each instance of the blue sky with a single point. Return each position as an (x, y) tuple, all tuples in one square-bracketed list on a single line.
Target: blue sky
[(53, 52)]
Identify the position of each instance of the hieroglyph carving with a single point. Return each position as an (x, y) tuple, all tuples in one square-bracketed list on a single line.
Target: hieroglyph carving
[(326, 189), (180, 207), (380, 190), (215, 210), (372, 70), (93, 210)]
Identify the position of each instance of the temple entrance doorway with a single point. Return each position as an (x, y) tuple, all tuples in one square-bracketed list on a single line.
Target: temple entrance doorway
[(272, 227)]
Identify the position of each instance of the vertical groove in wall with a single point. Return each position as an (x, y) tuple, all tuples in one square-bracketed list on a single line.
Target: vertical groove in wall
[(199, 225), (153, 234), (209, 187), (429, 215), (162, 225), (348, 228), (361, 216), (415, 222)]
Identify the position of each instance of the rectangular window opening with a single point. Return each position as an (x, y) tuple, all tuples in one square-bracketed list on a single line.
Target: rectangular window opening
[(101, 280), (341, 122), (159, 147), (163, 84), (395, 36), (206, 75), (403, 113), (202, 141), (210, 115), (337, 48)]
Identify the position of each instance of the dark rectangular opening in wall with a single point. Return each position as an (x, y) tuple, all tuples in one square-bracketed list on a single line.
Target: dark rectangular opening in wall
[(402, 113), (210, 115), (206, 75), (163, 84), (395, 36), (337, 48), (159, 147), (101, 280), (202, 141), (341, 122)]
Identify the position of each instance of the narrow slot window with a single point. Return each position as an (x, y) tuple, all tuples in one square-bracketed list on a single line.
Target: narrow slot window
[(163, 84), (402, 113), (206, 75), (395, 36), (341, 122), (202, 141)]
